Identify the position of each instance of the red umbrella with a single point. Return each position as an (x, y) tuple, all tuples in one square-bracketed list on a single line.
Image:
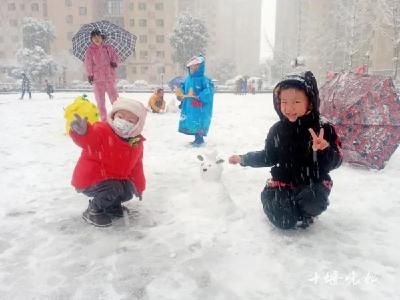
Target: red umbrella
[(365, 110)]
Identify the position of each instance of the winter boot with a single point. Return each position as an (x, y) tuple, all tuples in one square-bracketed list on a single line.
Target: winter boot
[(117, 211), (97, 217), (198, 141), (305, 221)]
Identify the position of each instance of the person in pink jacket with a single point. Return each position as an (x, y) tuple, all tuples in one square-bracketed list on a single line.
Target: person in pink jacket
[(101, 62)]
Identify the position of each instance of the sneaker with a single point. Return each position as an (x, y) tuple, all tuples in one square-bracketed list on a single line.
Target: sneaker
[(96, 217), (117, 211)]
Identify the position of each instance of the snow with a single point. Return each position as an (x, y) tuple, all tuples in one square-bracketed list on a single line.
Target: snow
[(188, 238)]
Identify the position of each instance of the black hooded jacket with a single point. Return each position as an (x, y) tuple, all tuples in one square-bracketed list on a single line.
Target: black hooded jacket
[(288, 146)]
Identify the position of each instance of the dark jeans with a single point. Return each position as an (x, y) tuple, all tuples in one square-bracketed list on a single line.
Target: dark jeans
[(285, 206), (110, 193), (23, 94)]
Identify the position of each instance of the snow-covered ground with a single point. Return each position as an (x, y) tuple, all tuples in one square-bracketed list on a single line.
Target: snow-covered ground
[(181, 241)]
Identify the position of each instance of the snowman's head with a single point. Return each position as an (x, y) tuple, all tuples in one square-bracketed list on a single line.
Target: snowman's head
[(210, 167)]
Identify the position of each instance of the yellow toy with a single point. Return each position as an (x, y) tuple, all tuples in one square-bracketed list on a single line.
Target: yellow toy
[(84, 108), (181, 95)]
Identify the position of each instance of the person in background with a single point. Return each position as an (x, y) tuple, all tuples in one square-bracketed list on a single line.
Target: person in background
[(49, 89), (157, 102), (196, 98), (101, 62), (26, 86)]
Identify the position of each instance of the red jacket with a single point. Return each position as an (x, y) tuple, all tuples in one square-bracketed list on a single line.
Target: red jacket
[(106, 156)]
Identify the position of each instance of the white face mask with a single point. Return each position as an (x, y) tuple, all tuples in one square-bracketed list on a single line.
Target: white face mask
[(123, 127)]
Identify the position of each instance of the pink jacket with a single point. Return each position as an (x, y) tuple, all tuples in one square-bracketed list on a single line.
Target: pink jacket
[(97, 62)]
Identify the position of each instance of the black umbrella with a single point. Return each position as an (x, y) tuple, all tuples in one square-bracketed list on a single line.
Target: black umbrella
[(123, 41)]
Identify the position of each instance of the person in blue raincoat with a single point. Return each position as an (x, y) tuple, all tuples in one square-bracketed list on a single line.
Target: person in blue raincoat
[(196, 95)]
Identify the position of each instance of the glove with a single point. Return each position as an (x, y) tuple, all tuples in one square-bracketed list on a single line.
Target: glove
[(90, 79), (113, 65), (79, 125)]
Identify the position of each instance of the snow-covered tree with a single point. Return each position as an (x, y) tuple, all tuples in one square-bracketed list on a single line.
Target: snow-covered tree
[(36, 63), (34, 58), (37, 32), (341, 40), (189, 38), (221, 70)]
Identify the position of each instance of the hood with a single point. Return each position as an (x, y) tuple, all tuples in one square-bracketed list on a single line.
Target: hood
[(197, 60), (304, 81), (134, 107)]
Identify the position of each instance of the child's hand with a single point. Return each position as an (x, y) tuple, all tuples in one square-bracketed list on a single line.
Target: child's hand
[(90, 79), (235, 159), (319, 143), (79, 125)]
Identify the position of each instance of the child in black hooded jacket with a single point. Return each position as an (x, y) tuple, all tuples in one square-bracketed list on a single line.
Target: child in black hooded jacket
[(301, 148)]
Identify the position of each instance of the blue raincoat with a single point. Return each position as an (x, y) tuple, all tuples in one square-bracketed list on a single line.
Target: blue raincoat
[(196, 113)]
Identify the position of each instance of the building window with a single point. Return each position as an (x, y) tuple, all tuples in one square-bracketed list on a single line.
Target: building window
[(160, 54), (2, 55), (142, 22), (83, 11), (11, 6), (15, 39), (142, 6), (143, 69), (159, 6), (68, 3), (114, 7), (160, 39), (131, 6), (161, 70), (1, 39), (143, 38), (143, 54), (69, 19), (70, 35), (132, 22), (13, 22), (34, 7), (134, 70), (22, 6), (160, 23)]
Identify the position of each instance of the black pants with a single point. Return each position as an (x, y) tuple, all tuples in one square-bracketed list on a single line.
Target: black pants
[(109, 193), (285, 206)]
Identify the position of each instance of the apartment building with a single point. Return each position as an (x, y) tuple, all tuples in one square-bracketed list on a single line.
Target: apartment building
[(12, 13), (234, 28), (231, 38)]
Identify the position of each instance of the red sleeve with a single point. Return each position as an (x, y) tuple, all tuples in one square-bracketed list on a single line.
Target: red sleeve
[(137, 175), (90, 139)]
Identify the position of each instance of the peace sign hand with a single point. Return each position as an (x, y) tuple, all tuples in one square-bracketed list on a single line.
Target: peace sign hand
[(319, 143), (79, 125)]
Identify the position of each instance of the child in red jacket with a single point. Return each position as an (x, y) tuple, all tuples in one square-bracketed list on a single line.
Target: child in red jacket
[(110, 167)]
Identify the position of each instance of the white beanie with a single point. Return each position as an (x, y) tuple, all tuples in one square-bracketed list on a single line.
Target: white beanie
[(133, 106), (195, 60)]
